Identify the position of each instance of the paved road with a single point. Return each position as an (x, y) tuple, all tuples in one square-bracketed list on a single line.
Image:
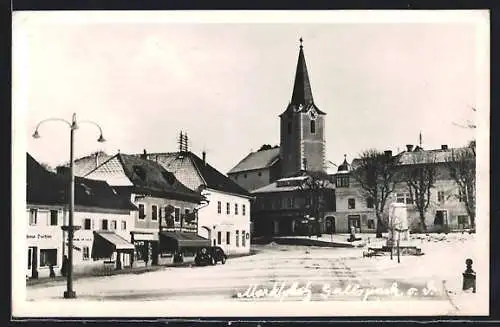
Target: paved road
[(318, 274)]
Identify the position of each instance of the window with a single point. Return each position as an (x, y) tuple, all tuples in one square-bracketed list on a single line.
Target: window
[(260, 174), (245, 175), (237, 238), (440, 196), (219, 238), (243, 210), (342, 181), (154, 212), (53, 217), (30, 257), (404, 198), (290, 202), (289, 128), (461, 195), (219, 207), (243, 240), (33, 217), (142, 214), (85, 253), (313, 127), (370, 224), (104, 224), (228, 238), (369, 202), (236, 208), (177, 215), (48, 257), (87, 224), (113, 225), (463, 221), (124, 224), (351, 203), (228, 208)]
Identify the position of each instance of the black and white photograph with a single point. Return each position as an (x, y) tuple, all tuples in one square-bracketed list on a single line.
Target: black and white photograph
[(250, 163)]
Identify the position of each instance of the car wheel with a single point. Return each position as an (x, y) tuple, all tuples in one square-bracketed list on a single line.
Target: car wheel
[(213, 261), (223, 260)]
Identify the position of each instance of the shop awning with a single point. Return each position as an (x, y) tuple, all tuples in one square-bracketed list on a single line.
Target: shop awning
[(106, 243), (176, 240)]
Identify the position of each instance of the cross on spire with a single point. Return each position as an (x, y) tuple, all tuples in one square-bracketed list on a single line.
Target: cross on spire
[(301, 40)]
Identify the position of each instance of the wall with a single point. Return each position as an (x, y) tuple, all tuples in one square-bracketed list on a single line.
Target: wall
[(313, 145), (253, 179), (290, 144), (210, 221)]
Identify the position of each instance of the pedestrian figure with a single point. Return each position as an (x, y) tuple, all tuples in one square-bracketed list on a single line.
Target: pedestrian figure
[(52, 274), (64, 266)]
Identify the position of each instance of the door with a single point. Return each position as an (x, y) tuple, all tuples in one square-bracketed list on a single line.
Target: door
[(330, 225), (32, 261), (354, 221), (441, 218)]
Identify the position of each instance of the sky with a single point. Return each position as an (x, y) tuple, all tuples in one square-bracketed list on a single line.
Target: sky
[(225, 83)]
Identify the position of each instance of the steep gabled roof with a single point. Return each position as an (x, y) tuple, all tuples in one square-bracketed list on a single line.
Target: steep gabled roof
[(86, 164), (193, 172), (257, 160)]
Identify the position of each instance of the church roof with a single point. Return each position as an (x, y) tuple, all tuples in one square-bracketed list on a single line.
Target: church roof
[(302, 98), (257, 160)]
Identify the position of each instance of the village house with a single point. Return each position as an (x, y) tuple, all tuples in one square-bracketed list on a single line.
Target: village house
[(166, 220), (225, 217), (105, 219)]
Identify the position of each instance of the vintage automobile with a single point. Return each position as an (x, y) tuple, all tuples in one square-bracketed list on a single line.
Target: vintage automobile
[(210, 256)]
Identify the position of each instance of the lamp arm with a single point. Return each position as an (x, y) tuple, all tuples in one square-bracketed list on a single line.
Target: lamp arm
[(92, 123), (53, 119)]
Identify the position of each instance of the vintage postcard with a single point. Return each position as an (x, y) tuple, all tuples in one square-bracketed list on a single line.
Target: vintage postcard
[(250, 163)]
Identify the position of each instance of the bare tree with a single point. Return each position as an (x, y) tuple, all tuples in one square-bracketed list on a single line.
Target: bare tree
[(420, 177), (313, 188), (376, 174), (462, 168)]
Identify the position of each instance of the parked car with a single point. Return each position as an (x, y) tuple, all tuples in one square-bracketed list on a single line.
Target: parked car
[(210, 256)]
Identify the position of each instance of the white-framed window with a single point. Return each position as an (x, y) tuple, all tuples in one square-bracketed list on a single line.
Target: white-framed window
[(48, 257), (351, 203), (124, 224), (33, 217), (85, 253), (404, 198), (114, 225), (369, 202), (236, 208), (219, 207), (142, 210), (243, 238), (243, 209), (440, 196), (237, 238), (177, 214), (154, 212), (228, 208), (54, 217), (87, 224), (219, 238), (104, 224)]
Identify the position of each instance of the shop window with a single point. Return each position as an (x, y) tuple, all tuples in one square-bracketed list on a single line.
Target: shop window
[(54, 216), (124, 224), (154, 212), (351, 203), (33, 217), (85, 253), (236, 208), (87, 224), (141, 250), (243, 210), (219, 238), (104, 225), (142, 213), (228, 238), (177, 215), (243, 238), (370, 224), (219, 207), (48, 257)]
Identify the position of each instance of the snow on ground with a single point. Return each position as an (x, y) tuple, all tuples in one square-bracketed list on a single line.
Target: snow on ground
[(340, 269)]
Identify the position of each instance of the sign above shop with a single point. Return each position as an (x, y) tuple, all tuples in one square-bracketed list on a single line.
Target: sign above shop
[(38, 236)]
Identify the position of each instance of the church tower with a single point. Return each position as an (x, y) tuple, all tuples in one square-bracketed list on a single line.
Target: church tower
[(302, 127)]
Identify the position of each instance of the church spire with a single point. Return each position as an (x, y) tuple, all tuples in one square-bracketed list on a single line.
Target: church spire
[(302, 93)]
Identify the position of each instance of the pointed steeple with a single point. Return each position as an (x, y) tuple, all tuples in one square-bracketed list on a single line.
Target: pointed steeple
[(302, 93)]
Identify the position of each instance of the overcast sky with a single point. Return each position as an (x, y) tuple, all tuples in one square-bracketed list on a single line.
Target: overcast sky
[(225, 84)]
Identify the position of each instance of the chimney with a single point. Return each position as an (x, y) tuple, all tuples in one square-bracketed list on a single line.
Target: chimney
[(144, 154), (409, 147), (204, 155), (444, 147), (388, 153)]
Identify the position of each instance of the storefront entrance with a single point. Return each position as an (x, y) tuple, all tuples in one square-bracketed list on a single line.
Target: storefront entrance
[(32, 261), (354, 220)]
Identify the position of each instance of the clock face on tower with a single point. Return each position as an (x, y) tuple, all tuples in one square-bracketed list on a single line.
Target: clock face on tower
[(313, 114)]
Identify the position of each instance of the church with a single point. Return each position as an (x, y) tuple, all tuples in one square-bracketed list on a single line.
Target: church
[(302, 139)]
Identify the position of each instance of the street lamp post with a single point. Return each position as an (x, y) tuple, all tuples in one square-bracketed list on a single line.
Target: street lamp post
[(70, 228)]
